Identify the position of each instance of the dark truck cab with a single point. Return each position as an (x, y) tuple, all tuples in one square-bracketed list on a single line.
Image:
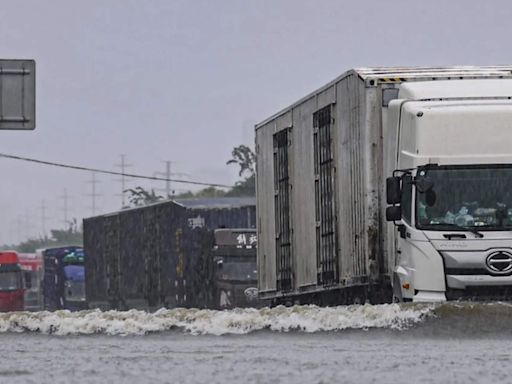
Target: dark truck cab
[(234, 268), (64, 279)]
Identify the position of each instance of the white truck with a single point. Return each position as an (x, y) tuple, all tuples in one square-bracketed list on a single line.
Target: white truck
[(389, 183)]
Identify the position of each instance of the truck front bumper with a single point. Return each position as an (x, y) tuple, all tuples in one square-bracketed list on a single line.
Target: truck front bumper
[(428, 297), (465, 281)]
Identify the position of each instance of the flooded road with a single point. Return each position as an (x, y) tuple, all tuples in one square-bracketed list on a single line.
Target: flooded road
[(457, 343)]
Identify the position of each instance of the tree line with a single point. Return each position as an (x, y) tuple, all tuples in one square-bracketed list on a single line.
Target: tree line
[(241, 156)]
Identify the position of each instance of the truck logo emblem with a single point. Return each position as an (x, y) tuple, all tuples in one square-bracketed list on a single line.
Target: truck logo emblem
[(251, 293), (499, 262)]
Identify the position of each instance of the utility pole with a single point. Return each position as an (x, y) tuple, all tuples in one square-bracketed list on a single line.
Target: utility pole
[(168, 176), (93, 195), (27, 224), (43, 217), (18, 229), (123, 165), (12, 233), (65, 206)]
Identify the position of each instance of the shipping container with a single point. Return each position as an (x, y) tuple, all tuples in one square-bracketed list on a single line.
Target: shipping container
[(322, 164), (159, 255)]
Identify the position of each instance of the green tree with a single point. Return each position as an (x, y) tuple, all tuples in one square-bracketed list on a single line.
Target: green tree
[(202, 193), (246, 187), (59, 237), (70, 236), (139, 197), (210, 192), (245, 158), (242, 155)]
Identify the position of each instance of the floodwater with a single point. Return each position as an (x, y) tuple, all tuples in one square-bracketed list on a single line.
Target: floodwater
[(444, 343)]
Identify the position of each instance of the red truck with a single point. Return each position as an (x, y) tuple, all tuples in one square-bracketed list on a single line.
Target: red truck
[(11, 282), (32, 270)]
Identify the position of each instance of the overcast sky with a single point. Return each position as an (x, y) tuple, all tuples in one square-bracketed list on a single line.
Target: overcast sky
[(187, 80)]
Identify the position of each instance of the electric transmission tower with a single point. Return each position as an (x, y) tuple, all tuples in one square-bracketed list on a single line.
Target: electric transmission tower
[(27, 224), (65, 207), (94, 194), (122, 166), (44, 218), (168, 175)]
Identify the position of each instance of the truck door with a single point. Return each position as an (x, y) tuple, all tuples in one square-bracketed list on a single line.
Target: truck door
[(403, 244)]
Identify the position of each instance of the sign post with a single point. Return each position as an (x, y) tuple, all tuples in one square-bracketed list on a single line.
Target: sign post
[(17, 94)]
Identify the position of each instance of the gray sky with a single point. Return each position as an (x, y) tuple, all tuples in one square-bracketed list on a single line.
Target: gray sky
[(187, 80)]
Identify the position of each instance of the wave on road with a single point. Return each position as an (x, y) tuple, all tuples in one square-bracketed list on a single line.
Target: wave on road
[(446, 320), (200, 321)]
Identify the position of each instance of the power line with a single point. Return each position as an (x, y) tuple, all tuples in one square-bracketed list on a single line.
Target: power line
[(96, 170), (167, 175)]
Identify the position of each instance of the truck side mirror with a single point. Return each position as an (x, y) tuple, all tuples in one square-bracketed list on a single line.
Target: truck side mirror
[(394, 213), (393, 190)]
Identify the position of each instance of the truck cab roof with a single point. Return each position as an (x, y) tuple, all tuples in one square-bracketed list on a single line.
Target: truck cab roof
[(450, 89), (8, 257), (405, 77)]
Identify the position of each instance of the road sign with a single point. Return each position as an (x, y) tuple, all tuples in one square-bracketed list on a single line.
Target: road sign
[(17, 94)]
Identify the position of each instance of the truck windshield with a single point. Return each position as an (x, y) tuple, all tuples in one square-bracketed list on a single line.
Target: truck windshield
[(10, 281), (32, 281), (471, 197), (239, 270), (74, 272)]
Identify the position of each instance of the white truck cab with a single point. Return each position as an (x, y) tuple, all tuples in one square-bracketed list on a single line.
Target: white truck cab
[(449, 148)]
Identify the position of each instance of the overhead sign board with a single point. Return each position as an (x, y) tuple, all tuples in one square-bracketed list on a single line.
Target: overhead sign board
[(17, 94)]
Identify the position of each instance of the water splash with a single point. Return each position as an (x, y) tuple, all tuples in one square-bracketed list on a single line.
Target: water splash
[(201, 321)]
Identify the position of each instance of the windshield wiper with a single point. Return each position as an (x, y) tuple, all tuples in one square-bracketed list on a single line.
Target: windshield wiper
[(497, 227), (473, 230)]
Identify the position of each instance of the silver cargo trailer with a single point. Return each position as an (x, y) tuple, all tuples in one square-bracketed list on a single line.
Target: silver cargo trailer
[(322, 165)]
